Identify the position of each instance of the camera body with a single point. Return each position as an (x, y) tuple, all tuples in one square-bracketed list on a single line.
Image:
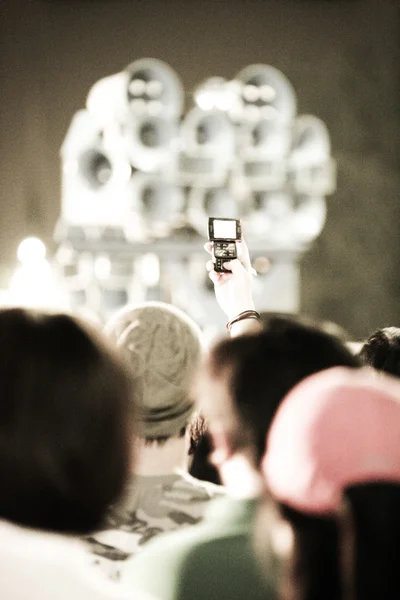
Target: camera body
[(224, 233)]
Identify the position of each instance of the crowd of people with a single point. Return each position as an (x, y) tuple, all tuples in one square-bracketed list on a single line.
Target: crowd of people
[(139, 463)]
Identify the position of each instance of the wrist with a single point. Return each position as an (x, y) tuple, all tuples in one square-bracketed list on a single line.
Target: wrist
[(246, 315)]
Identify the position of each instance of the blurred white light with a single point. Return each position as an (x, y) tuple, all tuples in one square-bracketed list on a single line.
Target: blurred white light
[(251, 93), (31, 250), (154, 108), (205, 100), (138, 106), (252, 113), (148, 269), (267, 93), (154, 88), (137, 87), (102, 267), (224, 102)]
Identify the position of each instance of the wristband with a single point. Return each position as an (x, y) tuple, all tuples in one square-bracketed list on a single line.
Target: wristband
[(246, 314)]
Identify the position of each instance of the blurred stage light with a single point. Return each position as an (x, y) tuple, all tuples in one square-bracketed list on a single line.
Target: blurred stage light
[(216, 93), (149, 79), (31, 250), (33, 284), (265, 87)]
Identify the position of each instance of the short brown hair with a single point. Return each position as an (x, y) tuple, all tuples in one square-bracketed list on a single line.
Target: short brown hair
[(65, 423)]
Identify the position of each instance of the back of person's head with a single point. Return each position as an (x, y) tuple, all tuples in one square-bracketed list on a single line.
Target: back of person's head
[(163, 346), (65, 423), (333, 463), (261, 369), (382, 350)]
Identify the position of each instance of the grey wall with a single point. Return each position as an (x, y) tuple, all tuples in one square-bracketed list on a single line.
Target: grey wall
[(341, 56)]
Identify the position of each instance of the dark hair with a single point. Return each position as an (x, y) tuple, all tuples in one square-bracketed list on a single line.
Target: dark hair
[(200, 450), (313, 570), (382, 350), (264, 367), (65, 423), (317, 568)]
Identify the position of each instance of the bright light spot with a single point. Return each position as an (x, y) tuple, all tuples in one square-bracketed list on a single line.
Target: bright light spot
[(148, 269), (251, 93), (224, 102), (155, 108), (31, 250), (137, 87), (261, 264), (154, 88), (138, 106), (205, 100), (102, 267), (267, 93)]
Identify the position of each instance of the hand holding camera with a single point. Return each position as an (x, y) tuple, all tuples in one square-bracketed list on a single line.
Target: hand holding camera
[(230, 269)]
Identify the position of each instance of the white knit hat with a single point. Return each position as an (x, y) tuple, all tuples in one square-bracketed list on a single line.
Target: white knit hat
[(163, 346)]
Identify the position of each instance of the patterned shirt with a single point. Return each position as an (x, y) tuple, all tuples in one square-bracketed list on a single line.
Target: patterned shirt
[(152, 505)]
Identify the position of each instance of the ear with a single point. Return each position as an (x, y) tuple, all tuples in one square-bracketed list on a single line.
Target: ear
[(222, 449)]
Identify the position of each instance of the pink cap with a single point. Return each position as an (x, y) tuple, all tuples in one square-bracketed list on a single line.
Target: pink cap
[(336, 428)]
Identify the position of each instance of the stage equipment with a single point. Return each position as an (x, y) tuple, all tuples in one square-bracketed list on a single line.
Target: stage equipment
[(208, 147), (266, 93), (264, 149), (95, 177), (154, 88), (156, 207), (141, 175), (312, 171), (152, 143)]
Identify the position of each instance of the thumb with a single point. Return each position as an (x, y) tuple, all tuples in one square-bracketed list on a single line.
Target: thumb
[(235, 266)]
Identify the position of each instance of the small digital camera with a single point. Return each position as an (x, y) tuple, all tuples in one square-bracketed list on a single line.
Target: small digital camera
[(224, 233)]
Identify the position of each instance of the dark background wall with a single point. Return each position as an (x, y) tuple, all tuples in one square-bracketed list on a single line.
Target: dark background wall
[(341, 56)]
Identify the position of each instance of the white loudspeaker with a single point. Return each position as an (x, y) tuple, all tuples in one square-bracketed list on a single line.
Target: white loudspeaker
[(107, 100), (95, 177), (265, 93), (156, 207), (271, 217), (312, 171), (263, 150), (308, 218), (208, 146), (211, 202), (154, 88), (151, 143)]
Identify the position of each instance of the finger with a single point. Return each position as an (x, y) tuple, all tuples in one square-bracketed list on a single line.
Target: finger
[(210, 265), (235, 266), (208, 246), (243, 254)]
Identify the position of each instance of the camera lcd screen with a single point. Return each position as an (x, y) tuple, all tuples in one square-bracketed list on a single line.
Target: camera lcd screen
[(224, 230)]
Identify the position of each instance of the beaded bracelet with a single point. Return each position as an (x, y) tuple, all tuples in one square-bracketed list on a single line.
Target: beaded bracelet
[(246, 314)]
